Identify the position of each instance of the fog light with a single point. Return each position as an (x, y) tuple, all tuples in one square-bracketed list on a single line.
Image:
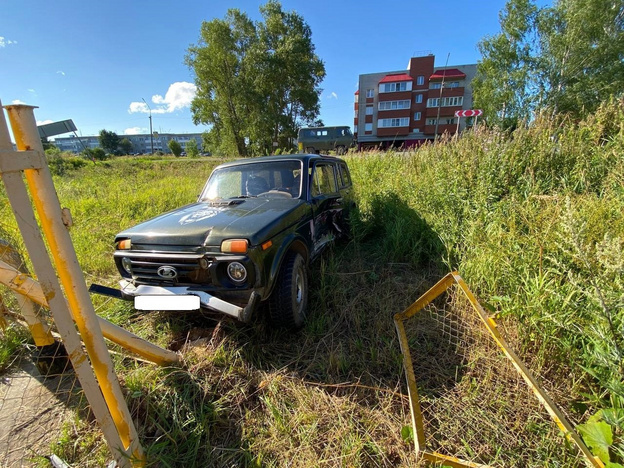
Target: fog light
[(126, 263), (237, 272), (203, 263)]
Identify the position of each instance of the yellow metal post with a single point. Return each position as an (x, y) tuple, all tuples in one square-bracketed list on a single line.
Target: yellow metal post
[(47, 205)]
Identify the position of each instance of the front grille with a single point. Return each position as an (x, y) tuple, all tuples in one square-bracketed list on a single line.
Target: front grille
[(145, 269)]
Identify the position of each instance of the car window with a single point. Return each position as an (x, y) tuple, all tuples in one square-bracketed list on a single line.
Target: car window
[(344, 175), (323, 181), (270, 179)]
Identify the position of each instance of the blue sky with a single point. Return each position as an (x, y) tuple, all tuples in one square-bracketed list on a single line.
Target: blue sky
[(94, 62)]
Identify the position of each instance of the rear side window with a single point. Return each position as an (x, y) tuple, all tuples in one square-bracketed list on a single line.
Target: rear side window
[(345, 178), (323, 181)]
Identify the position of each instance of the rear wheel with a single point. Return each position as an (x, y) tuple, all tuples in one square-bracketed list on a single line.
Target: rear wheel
[(310, 150), (289, 301), (341, 150)]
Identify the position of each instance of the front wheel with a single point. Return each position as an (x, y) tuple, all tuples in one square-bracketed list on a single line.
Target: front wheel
[(289, 301), (340, 150)]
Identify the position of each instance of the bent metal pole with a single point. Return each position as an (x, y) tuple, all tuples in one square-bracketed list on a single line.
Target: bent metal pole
[(46, 202)]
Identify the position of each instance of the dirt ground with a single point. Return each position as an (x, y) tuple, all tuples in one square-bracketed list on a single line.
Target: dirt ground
[(32, 409)]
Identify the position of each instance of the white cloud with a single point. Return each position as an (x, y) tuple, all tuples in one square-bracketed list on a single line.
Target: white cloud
[(134, 131), (60, 72), (31, 90), (17, 101), (178, 97), (44, 122), (333, 95), (5, 42)]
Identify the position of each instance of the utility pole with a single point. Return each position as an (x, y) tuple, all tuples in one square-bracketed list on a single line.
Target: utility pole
[(150, 117), (435, 137)]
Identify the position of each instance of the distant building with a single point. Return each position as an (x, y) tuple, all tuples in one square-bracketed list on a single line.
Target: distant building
[(140, 143), (407, 107)]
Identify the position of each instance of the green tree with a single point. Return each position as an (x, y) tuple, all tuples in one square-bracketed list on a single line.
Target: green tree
[(568, 58), (125, 146), (256, 81), (109, 141), (175, 147), (191, 148), (582, 60), (502, 87)]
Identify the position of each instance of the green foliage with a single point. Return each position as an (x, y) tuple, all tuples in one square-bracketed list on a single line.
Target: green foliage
[(564, 58), (191, 148), (62, 164), (175, 147), (12, 340), (125, 146), (257, 82), (109, 141), (95, 154)]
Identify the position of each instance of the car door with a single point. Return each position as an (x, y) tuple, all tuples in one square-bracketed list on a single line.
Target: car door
[(326, 204)]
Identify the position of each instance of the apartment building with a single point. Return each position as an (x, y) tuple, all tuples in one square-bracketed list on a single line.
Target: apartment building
[(140, 143), (405, 108)]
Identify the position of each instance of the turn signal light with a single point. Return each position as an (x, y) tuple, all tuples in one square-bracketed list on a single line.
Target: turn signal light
[(124, 244), (234, 246)]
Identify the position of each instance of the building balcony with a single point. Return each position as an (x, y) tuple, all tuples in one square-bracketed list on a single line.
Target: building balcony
[(430, 129), (392, 131)]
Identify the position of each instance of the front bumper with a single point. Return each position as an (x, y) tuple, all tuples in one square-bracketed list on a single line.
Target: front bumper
[(129, 290)]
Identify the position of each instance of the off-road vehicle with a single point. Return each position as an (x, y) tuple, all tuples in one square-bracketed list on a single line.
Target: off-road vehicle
[(250, 237)]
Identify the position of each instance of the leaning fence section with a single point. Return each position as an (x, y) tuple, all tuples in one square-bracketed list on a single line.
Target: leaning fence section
[(473, 401), (56, 373)]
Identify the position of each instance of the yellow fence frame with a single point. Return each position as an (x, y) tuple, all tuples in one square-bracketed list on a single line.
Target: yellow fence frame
[(68, 299), (417, 420)]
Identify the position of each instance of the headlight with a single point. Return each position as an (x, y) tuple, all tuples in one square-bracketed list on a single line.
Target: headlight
[(234, 246), (125, 244), (237, 272), (126, 263)]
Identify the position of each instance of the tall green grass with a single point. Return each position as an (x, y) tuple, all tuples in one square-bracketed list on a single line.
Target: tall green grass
[(533, 220)]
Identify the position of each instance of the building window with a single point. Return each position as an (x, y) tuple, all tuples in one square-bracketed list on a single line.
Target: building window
[(433, 102), (453, 84), (370, 93), (391, 105), (416, 130), (369, 110), (436, 85), (400, 122), (417, 116), (450, 121), (355, 128), (419, 98), (368, 127), (446, 102), (395, 87), (420, 80), (431, 121)]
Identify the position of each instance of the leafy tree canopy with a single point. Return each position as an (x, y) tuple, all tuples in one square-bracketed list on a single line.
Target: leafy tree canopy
[(109, 141), (175, 147), (125, 145), (566, 58), (191, 148), (257, 81)]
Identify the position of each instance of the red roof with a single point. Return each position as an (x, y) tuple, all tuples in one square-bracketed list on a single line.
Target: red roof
[(357, 92), (448, 73), (396, 77)]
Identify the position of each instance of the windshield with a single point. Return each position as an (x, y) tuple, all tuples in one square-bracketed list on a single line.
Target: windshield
[(276, 179)]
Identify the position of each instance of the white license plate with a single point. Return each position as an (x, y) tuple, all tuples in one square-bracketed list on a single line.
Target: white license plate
[(168, 302)]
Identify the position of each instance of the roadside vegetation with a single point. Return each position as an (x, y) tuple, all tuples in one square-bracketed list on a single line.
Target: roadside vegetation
[(533, 220)]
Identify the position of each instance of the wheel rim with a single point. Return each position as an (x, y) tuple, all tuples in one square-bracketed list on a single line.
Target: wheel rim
[(299, 288)]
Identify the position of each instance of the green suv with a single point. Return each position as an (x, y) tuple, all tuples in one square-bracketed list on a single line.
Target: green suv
[(318, 139), (249, 238)]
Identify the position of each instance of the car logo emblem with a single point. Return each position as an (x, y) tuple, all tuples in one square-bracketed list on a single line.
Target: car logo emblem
[(167, 272)]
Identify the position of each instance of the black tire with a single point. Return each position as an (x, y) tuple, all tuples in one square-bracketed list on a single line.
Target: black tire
[(289, 302), (310, 150), (340, 150)]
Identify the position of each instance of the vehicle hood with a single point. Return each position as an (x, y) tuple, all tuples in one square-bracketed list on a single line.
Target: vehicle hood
[(209, 223)]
